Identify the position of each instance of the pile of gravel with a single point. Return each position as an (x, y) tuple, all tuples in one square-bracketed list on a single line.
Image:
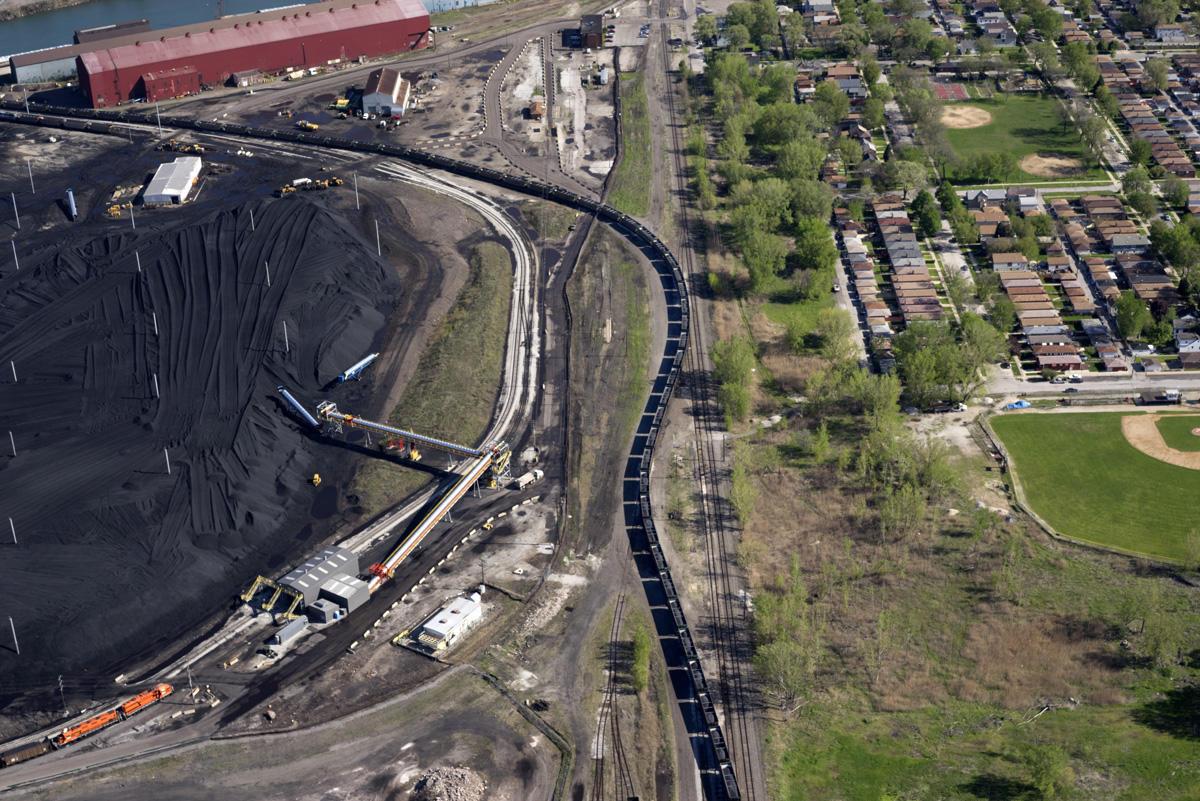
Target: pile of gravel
[(449, 784)]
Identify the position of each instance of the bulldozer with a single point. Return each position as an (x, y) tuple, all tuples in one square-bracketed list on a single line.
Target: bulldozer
[(286, 189)]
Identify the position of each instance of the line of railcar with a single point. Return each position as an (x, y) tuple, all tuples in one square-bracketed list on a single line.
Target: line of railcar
[(674, 284), (85, 728)]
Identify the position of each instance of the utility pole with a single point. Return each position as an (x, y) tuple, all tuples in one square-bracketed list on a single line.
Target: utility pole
[(167, 456), (138, 256), (189, 672), (154, 317), (378, 249), (287, 348), (13, 529), (13, 365), (356, 206), (251, 219), (16, 214), (16, 644), (62, 694), (267, 265), (14, 246), (158, 118), (156, 385), (132, 221), (26, 100), (12, 443), (29, 166)]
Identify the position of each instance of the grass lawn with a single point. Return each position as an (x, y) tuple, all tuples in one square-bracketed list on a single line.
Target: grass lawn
[(630, 191), (1021, 125), (1084, 479), (1176, 429)]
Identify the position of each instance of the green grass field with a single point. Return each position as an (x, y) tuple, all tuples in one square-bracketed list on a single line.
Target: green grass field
[(1021, 125), (1084, 479), (1176, 429), (630, 189)]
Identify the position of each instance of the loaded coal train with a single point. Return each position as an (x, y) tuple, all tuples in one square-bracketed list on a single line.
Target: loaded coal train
[(674, 283), (86, 728)]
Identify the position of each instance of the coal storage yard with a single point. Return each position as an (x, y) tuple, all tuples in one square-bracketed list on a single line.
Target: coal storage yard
[(116, 555)]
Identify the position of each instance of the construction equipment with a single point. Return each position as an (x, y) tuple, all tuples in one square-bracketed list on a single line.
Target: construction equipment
[(297, 406), (305, 125), (316, 479), (527, 479), (287, 189), (354, 372)]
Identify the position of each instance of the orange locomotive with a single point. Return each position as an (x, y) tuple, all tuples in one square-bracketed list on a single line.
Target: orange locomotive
[(104, 719)]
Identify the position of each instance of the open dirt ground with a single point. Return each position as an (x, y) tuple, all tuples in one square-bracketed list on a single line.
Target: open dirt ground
[(965, 117), (457, 723), (1051, 166), (1142, 432)]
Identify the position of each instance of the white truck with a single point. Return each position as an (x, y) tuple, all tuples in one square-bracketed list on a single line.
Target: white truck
[(528, 478)]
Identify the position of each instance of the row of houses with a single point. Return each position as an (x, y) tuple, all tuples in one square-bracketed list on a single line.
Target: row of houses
[(916, 296), (1144, 124), (1042, 327)]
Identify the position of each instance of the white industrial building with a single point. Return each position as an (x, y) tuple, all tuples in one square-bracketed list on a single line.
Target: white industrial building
[(450, 622), (172, 182), (386, 93), (349, 592), (322, 566)]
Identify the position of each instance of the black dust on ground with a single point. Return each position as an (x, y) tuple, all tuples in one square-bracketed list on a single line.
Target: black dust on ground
[(116, 556)]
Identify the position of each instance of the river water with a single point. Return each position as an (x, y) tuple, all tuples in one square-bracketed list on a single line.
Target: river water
[(54, 28)]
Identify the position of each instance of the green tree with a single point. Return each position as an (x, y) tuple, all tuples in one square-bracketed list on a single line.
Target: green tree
[(901, 512), (639, 673), (765, 256), (1175, 191), (1003, 313), (1140, 152), (1156, 12), (907, 176), (738, 36), (705, 28), (836, 329), (925, 211), (1106, 101), (815, 254), (1157, 73), (1049, 771), (1137, 179), (872, 113), (869, 68), (800, 158), (811, 199), (830, 103), (1132, 315)]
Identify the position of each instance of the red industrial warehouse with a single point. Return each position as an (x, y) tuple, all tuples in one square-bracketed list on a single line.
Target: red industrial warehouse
[(176, 61)]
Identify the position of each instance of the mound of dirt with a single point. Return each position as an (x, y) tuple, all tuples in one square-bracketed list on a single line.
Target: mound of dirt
[(118, 366), (1141, 431), (1051, 166), (449, 784), (957, 116)]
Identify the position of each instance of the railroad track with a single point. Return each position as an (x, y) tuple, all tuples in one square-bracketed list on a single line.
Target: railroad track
[(608, 727), (727, 635), (705, 734)]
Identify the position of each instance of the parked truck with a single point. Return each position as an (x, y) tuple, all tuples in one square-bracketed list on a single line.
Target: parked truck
[(524, 481)]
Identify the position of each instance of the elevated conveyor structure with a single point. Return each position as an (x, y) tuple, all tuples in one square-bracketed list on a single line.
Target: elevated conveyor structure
[(328, 410)]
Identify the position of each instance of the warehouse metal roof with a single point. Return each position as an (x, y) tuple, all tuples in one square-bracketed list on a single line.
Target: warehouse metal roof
[(258, 29), (321, 567), (173, 179)]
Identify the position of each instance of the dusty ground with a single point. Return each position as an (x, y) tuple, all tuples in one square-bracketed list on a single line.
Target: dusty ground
[(1051, 166), (1142, 432), (525, 83), (458, 721), (965, 117), (208, 527), (586, 125)]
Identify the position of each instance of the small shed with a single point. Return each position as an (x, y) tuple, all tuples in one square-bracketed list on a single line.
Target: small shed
[(172, 182)]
